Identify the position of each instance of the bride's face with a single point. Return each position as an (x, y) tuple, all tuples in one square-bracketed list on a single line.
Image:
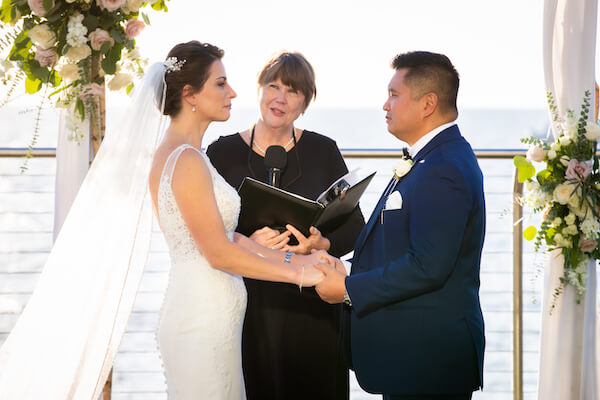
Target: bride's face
[(213, 101)]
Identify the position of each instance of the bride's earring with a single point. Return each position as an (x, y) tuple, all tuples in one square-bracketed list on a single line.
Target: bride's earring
[(194, 109)]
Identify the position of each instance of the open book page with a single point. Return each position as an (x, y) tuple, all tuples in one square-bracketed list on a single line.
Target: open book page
[(342, 184)]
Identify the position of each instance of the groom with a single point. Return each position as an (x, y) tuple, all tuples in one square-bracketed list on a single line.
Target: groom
[(416, 328)]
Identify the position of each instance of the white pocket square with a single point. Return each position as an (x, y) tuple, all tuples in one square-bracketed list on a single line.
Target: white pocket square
[(394, 201)]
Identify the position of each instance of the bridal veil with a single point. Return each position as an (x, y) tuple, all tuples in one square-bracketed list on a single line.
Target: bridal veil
[(64, 343)]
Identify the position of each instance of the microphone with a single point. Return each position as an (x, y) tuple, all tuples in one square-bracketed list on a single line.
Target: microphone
[(275, 162)]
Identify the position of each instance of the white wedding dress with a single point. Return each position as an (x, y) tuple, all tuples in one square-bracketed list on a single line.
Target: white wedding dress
[(200, 328)]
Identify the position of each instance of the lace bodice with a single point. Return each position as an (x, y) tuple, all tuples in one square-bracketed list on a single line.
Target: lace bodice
[(178, 237)]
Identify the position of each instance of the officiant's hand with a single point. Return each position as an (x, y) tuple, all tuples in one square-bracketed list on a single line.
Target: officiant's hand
[(271, 238), (306, 244), (332, 288)]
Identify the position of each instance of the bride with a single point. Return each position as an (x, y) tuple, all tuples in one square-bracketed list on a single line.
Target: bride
[(200, 328), (64, 343)]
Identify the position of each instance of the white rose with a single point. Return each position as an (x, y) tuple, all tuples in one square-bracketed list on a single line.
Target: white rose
[(592, 131), (551, 154), (69, 72), (564, 140), (132, 6), (562, 193), (402, 167), (555, 146), (574, 201), (119, 81), (78, 53), (536, 153), (42, 36), (557, 221), (564, 160), (570, 219), (570, 230), (597, 186)]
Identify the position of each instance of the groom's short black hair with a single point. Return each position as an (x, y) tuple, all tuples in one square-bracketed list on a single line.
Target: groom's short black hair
[(430, 72)]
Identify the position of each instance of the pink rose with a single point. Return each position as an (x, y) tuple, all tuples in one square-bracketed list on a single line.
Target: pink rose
[(577, 171), (111, 5), (37, 7), (99, 37), (133, 28), (46, 57), (587, 245), (536, 153), (93, 90)]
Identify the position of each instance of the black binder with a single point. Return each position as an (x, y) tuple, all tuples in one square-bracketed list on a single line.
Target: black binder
[(265, 205)]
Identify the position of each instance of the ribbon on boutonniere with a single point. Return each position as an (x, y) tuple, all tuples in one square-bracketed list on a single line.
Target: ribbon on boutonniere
[(401, 168)]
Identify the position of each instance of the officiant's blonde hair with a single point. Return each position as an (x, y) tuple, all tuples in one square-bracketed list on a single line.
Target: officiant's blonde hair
[(294, 70)]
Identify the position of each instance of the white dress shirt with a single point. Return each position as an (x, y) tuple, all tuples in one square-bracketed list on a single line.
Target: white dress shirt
[(422, 142)]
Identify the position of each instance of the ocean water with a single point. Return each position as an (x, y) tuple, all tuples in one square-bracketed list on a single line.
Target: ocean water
[(360, 128)]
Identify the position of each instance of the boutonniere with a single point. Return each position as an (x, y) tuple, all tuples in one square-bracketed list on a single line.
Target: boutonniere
[(402, 167)]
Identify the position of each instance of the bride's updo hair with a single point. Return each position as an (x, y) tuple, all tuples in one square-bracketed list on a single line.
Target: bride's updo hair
[(194, 60)]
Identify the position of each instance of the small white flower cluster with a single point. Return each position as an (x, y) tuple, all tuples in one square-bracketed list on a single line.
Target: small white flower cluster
[(76, 31), (402, 167), (578, 276), (5, 67), (534, 196), (172, 64), (590, 227)]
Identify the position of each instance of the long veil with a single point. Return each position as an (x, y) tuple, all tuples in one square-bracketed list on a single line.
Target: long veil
[(65, 341)]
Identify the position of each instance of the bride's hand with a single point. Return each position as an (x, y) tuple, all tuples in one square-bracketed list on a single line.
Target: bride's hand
[(309, 276), (319, 256)]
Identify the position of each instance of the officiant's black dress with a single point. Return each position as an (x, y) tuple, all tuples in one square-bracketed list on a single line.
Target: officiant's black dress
[(292, 346)]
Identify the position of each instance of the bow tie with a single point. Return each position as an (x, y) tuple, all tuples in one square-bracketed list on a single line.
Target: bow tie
[(406, 154)]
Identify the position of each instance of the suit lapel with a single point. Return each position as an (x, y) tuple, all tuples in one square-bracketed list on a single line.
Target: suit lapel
[(444, 136), (360, 241)]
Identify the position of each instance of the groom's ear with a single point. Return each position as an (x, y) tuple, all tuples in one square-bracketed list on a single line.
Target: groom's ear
[(429, 103)]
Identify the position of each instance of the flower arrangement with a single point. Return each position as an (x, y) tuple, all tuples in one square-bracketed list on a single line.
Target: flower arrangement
[(567, 190), (74, 47)]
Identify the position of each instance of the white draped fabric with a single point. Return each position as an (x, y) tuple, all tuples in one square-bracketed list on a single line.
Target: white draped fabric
[(569, 354), (72, 163), (64, 343)]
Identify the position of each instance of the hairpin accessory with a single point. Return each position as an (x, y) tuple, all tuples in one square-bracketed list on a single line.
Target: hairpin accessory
[(173, 64)]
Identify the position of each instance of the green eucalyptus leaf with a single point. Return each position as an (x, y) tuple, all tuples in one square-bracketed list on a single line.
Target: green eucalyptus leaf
[(543, 176), (109, 66), (129, 88), (145, 18), (105, 47), (115, 34), (80, 108), (32, 86)]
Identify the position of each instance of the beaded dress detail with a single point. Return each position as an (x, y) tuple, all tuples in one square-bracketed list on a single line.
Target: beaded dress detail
[(200, 327)]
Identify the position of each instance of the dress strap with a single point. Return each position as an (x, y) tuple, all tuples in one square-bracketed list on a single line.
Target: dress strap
[(169, 166)]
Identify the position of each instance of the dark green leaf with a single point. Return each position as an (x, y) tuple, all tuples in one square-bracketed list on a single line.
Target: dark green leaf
[(90, 22), (115, 34)]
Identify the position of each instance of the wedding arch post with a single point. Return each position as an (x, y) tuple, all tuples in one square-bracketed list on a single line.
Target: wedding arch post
[(569, 358)]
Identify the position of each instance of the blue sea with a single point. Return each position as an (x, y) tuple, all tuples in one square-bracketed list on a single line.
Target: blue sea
[(360, 128)]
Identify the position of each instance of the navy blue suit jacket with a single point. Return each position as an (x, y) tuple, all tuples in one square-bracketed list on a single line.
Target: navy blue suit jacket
[(416, 325)]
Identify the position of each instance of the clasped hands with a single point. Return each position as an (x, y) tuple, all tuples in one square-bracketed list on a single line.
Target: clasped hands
[(328, 276)]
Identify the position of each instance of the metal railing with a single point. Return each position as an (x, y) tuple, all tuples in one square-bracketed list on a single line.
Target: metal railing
[(517, 236)]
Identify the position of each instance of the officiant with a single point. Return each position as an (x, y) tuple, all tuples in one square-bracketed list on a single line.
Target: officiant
[(291, 344)]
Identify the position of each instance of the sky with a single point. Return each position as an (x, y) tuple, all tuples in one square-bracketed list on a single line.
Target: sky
[(495, 45)]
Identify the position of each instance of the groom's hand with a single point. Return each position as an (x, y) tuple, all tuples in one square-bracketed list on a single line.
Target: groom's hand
[(332, 288)]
